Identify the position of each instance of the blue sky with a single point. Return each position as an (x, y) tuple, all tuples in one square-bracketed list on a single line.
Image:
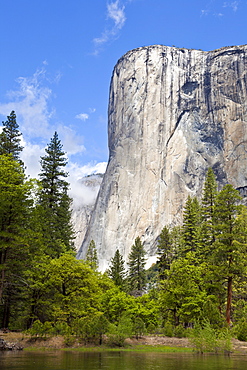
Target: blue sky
[(57, 57)]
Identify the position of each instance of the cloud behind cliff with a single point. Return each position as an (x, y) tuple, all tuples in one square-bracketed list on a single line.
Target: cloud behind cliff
[(32, 102)]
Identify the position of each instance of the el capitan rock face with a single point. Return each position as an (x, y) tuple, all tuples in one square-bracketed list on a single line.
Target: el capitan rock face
[(172, 114)]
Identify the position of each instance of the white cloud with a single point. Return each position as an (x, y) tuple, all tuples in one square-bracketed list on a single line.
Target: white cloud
[(233, 5), (31, 157), (214, 9), (81, 194), (30, 102), (115, 13), (87, 169), (82, 116), (204, 12), (72, 142)]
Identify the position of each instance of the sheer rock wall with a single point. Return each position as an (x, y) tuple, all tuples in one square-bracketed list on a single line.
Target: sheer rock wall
[(172, 114)]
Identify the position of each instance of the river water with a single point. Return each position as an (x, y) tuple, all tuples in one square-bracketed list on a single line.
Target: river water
[(60, 360)]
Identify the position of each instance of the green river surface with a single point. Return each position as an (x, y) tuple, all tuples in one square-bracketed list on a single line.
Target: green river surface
[(72, 360)]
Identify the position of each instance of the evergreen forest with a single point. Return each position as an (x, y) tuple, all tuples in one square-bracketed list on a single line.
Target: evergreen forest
[(200, 277)]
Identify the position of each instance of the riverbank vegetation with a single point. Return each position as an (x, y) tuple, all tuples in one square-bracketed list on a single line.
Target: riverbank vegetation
[(197, 288)]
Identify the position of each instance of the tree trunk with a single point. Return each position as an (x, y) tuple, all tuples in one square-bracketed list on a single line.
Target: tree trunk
[(2, 262), (6, 313), (229, 300)]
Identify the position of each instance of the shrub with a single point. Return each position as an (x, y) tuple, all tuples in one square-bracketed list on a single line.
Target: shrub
[(69, 340), (39, 329), (151, 329), (168, 329), (118, 333), (206, 339), (61, 328), (179, 331), (241, 331), (138, 327)]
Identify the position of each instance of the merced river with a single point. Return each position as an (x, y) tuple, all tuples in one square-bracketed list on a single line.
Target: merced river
[(72, 360)]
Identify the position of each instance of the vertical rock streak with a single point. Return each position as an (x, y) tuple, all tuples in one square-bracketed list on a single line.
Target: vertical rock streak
[(172, 114)]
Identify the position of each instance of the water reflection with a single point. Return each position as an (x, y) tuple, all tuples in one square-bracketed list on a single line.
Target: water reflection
[(59, 360)]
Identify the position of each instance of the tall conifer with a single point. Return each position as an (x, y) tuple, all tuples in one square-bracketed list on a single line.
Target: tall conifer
[(164, 252), (116, 269), (91, 256), (226, 251), (10, 137), (137, 273), (209, 194), (15, 208), (54, 200), (191, 225)]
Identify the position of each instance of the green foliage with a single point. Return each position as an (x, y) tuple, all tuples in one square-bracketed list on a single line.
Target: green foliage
[(152, 275), (165, 252), (69, 340), (228, 254), (15, 234), (206, 339), (241, 330), (118, 333), (61, 328), (139, 327), (55, 204), (179, 331), (191, 226), (145, 308), (91, 327), (168, 329), (183, 292), (91, 256), (116, 270), (115, 302), (137, 274), (40, 329), (209, 194), (202, 264), (151, 328), (10, 138)]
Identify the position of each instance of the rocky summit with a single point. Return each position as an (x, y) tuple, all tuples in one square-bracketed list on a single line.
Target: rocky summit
[(173, 113)]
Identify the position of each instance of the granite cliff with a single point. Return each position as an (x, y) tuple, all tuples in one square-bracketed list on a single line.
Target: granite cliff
[(82, 211), (172, 114)]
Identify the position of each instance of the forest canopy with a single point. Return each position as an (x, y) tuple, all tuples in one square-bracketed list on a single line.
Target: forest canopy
[(200, 274)]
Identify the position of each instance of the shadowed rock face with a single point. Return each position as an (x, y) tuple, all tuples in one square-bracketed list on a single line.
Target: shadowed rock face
[(172, 114)]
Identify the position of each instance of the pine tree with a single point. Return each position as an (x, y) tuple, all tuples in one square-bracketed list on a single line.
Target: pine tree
[(191, 225), (91, 256), (226, 252), (10, 137), (208, 201), (15, 209), (55, 203), (137, 273), (164, 252), (116, 270)]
